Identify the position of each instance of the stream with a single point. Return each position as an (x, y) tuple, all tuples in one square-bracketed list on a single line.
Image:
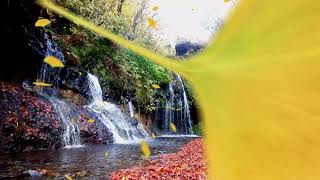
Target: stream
[(89, 161)]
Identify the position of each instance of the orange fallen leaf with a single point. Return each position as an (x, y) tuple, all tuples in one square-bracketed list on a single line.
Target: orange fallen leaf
[(42, 22), (145, 149), (173, 127), (155, 8), (67, 177), (90, 120), (41, 84), (152, 23), (155, 86), (53, 62)]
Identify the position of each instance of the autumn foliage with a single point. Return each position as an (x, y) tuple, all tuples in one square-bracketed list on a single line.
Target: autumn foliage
[(188, 163)]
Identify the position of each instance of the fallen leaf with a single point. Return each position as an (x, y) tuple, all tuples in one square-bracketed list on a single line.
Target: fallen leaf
[(145, 149), (153, 135), (173, 127), (41, 84), (53, 62), (67, 177), (42, 22), (151, 22), (72, 120), (106, 154), (90, 120), (155, 86), (155, 8), (81, 173)]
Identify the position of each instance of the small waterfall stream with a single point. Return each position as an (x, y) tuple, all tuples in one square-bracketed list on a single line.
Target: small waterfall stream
[(71, 134), (169, 109), (185, 110), (131, 109), (176, 109), (124, 129)]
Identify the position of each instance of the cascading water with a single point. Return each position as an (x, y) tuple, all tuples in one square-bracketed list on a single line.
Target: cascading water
[(139, 126), (131, 109), (185, 111), (124, 130), (169, 109), (176, 109), (48, 74), (71, 134)]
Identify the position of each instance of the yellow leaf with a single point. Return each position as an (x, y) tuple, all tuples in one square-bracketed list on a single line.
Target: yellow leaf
[(123, 178), (41, 84), (155, 86), (42, 22), (145, 149), (72, 120), (17, 124), (155, 8), (106, 154), (53, 62), (151, 22), (173, 127), (67, 177), (153, 135), (90, 120), (226, 0)]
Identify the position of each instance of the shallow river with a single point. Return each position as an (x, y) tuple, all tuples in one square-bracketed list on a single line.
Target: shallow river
[(89, 162)]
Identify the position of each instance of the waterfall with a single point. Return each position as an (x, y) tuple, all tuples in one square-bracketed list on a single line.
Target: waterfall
[(71, 134), (124, 129), (185, 111), (176, 109), (131, 109), (169, 109), (48, 74)]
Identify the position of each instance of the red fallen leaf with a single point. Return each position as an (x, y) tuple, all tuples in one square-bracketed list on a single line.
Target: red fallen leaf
[(188, 163)]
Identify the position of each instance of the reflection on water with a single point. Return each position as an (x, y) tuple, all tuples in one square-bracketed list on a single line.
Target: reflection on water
[(89, 161)]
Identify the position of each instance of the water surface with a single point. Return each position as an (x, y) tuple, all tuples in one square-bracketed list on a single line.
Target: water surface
[(88, 161)]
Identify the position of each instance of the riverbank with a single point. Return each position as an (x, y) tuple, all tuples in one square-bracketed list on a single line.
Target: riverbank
[(188, 163)]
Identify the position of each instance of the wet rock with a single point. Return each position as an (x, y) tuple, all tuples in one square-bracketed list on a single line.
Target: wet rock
[(93, 133), (74, 78), (72, 97), (32, 173)]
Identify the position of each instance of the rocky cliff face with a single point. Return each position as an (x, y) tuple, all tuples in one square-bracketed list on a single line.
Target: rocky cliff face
[(28, 122), (18, 59)]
